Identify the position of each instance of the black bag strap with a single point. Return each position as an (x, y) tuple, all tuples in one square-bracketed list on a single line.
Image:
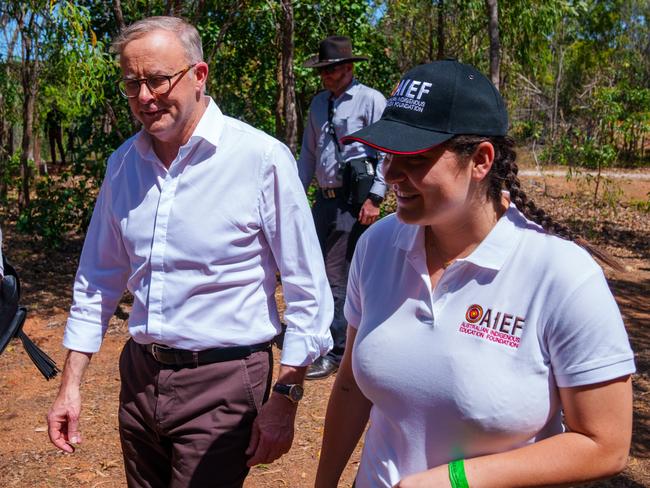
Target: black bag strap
[(330, 125), (332, 132), (14, 315)]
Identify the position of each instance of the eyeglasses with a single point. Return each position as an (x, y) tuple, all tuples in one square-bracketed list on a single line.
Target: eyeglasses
[(329, 69), (157, 84)]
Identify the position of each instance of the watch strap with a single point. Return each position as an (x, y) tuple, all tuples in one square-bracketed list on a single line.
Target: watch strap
[(374, 198), (293, 392)]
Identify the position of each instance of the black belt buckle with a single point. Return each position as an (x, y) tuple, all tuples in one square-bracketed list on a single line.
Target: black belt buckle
[(155, 349), (162, 353)]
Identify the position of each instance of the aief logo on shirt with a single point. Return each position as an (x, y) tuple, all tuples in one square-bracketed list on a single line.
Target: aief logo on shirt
[(493, 325)]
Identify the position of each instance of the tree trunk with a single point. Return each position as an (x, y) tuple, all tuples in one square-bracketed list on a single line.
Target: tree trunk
[(173, 7), (441, 29), (235, 8), (4, 157), (556, 92), (430, 33), (119, 18), (279, 91), (29, 79), (39, 164), (26, 145), (495, 45), (288, 87)]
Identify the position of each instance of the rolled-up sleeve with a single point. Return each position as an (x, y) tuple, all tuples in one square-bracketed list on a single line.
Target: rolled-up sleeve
[(100, 281), (289, 229)]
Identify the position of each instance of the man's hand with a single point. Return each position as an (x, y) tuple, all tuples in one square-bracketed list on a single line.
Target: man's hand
[(63, 417), (272, 431), (63, 420), (369, 212)]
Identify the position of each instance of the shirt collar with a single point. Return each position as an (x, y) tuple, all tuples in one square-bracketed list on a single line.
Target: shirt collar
[(407, 236), (209, 128), (350, 90), (491, 253), (211, 125)]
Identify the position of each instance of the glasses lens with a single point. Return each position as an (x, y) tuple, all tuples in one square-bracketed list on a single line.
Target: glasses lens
[(328, 69), (159, 84), (129, 88)]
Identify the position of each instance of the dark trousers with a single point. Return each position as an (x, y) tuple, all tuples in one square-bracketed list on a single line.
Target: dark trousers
[(337, 243), (188, 427)]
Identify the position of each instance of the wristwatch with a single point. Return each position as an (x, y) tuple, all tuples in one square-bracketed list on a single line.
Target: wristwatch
[(376, 199), (293, 392)]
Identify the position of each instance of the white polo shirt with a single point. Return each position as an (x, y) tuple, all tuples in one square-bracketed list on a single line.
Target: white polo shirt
[(473, 367)]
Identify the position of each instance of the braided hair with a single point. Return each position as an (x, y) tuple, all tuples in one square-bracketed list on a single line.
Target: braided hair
[(503, 174)]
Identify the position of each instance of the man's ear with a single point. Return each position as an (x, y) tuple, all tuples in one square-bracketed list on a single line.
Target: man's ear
[(482, 160), (201, 74)]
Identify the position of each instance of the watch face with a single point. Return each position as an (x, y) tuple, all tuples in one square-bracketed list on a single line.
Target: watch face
[(296, 392)]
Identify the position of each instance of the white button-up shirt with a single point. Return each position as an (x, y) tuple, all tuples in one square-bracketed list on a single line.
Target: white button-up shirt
[(357, 107), (198, 245)]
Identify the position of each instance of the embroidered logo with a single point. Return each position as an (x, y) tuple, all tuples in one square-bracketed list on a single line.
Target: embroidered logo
[(474, 313), (408, 95), (494, 326)]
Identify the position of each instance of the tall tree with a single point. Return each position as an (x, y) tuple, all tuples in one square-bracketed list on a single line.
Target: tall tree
[(441, 29), (119, 17), (286, 117), (30, 32), (495, 45)]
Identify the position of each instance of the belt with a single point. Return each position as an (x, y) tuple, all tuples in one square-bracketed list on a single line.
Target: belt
[(183, 358), (331, 193)]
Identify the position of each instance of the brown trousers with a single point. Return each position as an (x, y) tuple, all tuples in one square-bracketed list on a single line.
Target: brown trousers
[(188, 427)]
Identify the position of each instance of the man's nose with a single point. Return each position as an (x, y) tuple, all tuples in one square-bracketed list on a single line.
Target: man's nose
[(145, 95)]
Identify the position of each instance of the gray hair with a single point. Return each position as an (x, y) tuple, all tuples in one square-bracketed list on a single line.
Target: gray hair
[(186, 33)]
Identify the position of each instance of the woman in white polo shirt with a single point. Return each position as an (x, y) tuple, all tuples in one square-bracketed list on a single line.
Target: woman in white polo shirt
[(474, 320)]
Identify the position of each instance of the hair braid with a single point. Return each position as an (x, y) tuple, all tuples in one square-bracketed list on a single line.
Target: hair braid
[(503, 174)]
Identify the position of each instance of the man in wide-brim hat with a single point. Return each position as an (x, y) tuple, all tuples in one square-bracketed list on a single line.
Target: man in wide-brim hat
[(342, 210)]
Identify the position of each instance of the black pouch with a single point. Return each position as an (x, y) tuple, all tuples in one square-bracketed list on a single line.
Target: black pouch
[(358, 177)]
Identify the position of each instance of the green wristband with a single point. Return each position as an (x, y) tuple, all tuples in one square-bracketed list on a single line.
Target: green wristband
[(457, 476)]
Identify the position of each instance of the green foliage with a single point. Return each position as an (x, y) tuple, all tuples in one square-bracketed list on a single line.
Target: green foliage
[(642, 205), (10, 174), (575, 75), (62, 205)]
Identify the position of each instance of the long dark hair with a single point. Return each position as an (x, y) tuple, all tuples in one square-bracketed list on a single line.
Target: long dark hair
[(503, 175)]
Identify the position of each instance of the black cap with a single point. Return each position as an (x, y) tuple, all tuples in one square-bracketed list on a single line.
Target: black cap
[(431, 104)]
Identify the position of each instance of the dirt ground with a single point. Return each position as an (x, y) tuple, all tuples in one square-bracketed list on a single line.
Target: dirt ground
[(27, 459)]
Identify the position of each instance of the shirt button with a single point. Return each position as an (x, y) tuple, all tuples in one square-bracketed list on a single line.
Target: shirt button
[(445, 288)]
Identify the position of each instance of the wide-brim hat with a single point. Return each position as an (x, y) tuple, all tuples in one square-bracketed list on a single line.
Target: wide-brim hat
[(431, 104), (333, 50)]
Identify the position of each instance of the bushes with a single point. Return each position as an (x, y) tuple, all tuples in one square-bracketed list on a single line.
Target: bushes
[(62, 205)]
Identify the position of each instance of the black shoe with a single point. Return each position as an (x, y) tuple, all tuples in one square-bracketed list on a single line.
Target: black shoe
[(321, 368)]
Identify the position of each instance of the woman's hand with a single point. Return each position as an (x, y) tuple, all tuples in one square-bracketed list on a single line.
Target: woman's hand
[(433, 478)]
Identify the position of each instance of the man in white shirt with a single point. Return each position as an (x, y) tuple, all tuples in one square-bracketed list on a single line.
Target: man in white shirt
[(342, 210), (196, 214)]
